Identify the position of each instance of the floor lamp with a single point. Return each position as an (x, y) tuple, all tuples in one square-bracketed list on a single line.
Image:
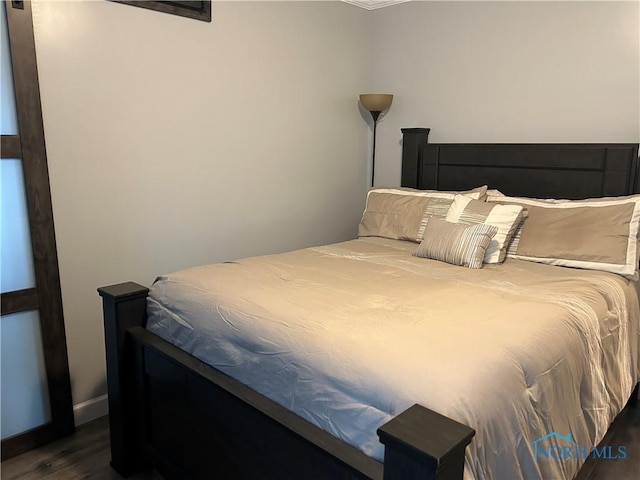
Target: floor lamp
[(376, 103)]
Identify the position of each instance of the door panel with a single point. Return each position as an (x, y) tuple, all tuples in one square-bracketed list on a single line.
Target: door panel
[(16, 256), (8, 115), (24, 396)]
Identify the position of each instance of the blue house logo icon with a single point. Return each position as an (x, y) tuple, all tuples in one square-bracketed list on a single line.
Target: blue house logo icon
[(556, 446), (542, 449)]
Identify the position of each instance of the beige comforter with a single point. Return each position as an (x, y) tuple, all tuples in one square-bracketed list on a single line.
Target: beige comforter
[(351, 334)]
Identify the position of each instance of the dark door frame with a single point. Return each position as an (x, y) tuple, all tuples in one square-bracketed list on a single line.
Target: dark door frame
[(46, 296)]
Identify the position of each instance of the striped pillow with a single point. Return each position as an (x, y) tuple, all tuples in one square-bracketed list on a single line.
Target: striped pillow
[(455, 243), (505, 217)]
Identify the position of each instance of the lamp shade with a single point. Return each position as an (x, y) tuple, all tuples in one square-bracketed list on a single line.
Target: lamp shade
[(376, 102)]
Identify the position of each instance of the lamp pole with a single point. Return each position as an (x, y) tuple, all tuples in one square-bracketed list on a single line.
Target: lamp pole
[(375, 114)]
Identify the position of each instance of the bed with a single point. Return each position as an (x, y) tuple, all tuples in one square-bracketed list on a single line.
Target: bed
[(407, 402)]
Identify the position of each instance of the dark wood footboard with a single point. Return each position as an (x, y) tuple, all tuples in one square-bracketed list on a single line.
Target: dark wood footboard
[(169, 410)]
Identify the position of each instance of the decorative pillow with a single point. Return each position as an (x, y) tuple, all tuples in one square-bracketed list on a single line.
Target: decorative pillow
[(512, 245), (400, 213), (505, 217), (478, 193), (456, 243), (597, 234), (492, 192)]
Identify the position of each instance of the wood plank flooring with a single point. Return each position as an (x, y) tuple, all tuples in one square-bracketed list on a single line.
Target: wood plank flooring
[(625, 430), (85, 455)]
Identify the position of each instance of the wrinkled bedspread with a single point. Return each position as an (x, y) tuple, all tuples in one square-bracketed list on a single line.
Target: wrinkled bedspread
[(351, 334)]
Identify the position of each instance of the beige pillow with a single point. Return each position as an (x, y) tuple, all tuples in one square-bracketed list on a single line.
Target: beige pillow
[(505, 218), (456, 243), (478, 193), (597, 234), (401, 213), (492, 192)]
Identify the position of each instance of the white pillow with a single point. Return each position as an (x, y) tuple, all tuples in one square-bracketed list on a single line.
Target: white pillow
[(505, 217)]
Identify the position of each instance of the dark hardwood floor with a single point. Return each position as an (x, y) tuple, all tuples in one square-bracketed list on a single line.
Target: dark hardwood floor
[(625, 431), (86, 455)]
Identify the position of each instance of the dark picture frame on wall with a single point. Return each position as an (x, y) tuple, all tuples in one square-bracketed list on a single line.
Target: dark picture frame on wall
[(198, 10)]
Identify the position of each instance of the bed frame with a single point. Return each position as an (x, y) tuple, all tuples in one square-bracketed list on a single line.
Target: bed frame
[(171, 411)]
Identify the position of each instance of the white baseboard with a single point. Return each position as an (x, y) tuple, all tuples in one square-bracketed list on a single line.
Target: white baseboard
[(93, 408)]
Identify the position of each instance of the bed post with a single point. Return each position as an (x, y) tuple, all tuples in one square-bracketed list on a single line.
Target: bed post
[(422, 444), (124, 307), (413, 140)]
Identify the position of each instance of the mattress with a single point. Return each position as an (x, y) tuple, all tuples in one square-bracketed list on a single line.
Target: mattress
[(351, 334)]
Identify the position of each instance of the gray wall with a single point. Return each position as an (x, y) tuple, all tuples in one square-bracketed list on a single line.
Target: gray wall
[(173, 142), (506, 72)]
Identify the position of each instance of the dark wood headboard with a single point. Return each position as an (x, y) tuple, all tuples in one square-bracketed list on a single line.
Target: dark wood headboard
[(540, 170)]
